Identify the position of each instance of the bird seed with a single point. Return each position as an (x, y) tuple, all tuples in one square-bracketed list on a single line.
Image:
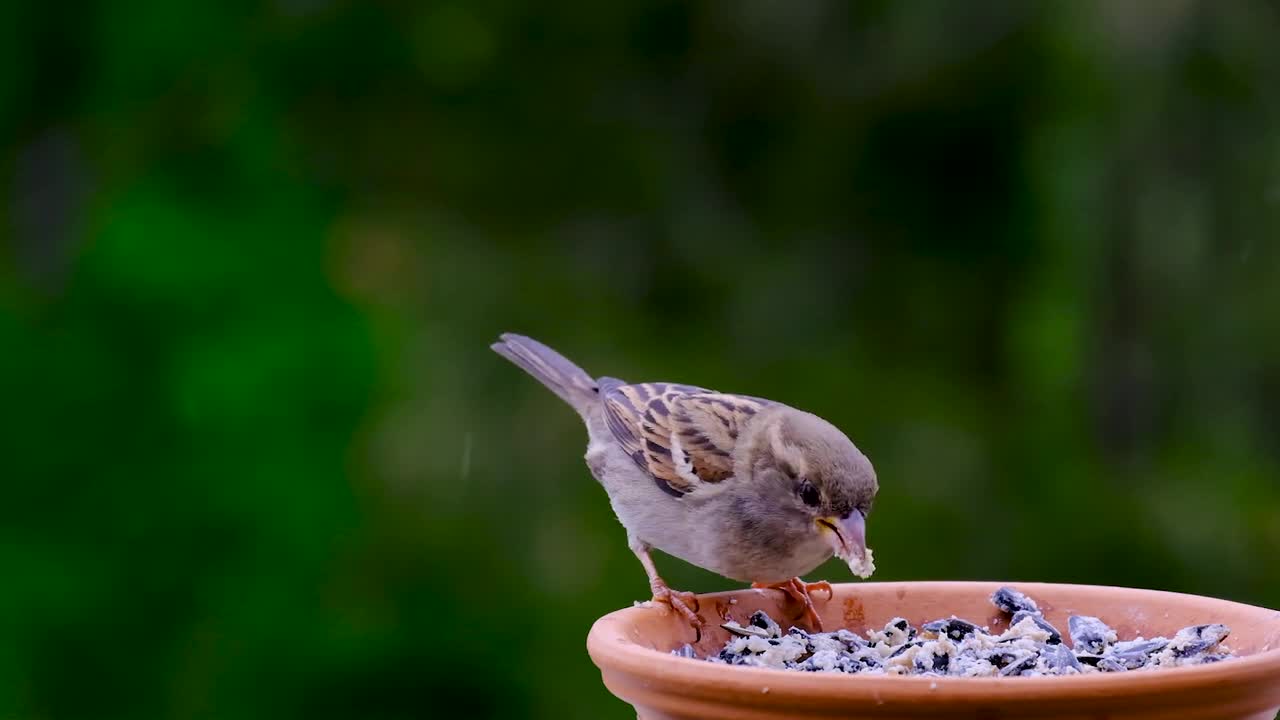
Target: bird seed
[(958, 648)]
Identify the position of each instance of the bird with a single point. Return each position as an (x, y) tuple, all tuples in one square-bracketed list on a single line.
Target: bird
[(752, 489)]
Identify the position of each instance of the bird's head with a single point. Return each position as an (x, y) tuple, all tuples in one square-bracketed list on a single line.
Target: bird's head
[(820, 481)]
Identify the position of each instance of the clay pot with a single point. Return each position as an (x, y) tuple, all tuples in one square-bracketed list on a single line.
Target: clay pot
[(631, 647)]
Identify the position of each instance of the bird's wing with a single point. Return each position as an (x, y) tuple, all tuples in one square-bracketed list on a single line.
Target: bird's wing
[(682, 436)]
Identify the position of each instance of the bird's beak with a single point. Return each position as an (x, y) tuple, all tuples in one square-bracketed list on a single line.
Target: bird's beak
[(848, 536)]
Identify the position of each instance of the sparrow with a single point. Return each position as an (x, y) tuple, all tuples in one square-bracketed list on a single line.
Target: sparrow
[(752, 489)]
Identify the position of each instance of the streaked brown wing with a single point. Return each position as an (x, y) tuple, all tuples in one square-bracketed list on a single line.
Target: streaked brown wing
[(681, 435), (635, 424)]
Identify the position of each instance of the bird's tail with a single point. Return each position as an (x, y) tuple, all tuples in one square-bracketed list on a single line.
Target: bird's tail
[(550, 368)]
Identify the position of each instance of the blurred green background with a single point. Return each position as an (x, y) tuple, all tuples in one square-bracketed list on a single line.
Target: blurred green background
[(259, 462)]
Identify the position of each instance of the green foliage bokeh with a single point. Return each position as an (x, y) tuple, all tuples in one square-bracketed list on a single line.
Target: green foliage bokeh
[(258, 461)]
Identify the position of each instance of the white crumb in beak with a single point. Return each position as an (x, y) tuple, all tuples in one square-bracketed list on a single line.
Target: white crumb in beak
[(863, 566)]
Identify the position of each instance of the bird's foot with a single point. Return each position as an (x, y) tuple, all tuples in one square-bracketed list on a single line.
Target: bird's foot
[(801, 592), (684, 603)]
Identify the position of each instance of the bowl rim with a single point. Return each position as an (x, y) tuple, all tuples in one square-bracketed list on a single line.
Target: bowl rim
[(612, 650)]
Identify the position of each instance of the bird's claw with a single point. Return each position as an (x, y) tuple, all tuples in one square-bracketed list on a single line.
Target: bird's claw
[(821, 585), (681, 603), (800, 591)]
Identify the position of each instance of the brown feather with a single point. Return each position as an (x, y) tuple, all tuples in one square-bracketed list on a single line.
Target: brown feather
[(705, 424)]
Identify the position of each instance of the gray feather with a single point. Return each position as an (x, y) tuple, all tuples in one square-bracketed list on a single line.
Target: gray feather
[(550, 368)]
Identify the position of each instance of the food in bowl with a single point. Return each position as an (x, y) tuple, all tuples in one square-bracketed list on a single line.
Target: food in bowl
[(955, 647)]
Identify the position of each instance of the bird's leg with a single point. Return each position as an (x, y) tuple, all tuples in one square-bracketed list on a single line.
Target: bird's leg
[(685, 603), (800, 591)]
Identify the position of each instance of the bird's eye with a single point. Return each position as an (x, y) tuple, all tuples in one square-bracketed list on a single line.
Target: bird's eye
[(809, 494)]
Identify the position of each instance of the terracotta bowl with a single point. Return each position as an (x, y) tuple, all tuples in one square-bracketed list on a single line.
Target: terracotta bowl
[(631, 648)]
